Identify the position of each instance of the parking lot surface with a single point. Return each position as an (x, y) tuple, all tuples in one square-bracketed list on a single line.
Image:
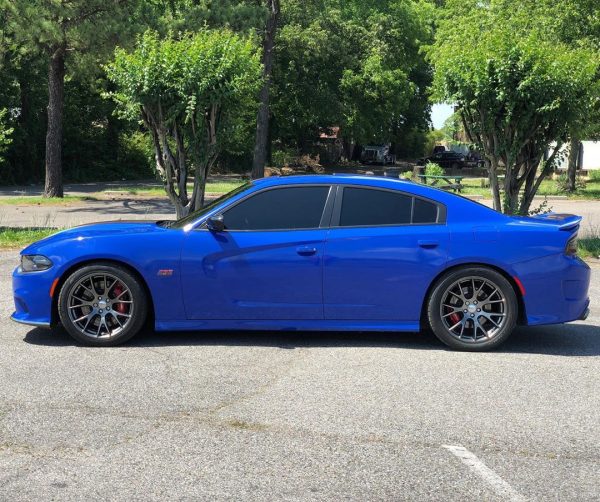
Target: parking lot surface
[(298, 416)]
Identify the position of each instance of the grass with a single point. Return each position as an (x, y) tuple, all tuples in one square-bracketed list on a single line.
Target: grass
[(212, 187), (472, 186), (11, 238), (589, 247), (41, 201)]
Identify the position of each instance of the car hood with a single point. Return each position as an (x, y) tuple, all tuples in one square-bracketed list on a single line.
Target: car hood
[(108, 228)]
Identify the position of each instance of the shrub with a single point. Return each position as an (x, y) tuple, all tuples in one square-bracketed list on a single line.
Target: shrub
[(433, 169), (562, 183), (594, 175)]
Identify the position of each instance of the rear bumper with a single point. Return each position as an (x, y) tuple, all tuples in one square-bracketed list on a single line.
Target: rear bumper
[(556, 289), (585, 314)]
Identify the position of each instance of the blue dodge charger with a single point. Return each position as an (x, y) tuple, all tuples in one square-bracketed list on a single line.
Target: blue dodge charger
[(311, 253)]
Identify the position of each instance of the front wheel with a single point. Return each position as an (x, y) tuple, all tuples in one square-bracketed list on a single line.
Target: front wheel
[(473, 309), (102, 305)]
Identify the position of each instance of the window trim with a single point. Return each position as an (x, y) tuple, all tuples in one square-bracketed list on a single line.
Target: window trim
[(326, 214), (337, 210)]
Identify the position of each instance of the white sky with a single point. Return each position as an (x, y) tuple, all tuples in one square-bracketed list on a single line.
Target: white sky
[(439, 114)]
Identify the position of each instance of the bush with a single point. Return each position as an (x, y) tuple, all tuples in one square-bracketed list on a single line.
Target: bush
[(594, 175), (562, 183), (282, 157), (433, 169)]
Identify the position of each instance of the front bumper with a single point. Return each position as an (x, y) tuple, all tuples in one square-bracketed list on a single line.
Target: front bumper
[(30, 322), (31, 292)]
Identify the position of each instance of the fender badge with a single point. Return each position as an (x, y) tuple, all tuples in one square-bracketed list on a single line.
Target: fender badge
[(165, 272)]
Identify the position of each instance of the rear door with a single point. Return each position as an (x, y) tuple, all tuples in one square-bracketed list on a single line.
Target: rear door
[(383, 251), (267, 264)]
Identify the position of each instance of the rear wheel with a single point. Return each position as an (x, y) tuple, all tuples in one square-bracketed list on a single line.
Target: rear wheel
[(473, 309), (102, 305)]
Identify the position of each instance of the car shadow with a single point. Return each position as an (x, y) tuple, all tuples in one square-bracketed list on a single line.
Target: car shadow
[(559, 340)]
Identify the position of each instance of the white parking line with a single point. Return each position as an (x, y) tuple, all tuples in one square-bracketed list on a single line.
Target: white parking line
[(500, 486)]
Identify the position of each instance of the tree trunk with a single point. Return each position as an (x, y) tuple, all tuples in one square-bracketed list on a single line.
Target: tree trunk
[(495, 188), (574, 146), (262, 119), (54, 134)]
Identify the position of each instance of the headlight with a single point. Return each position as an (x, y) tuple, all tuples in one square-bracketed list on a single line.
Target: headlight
[(34, 263)]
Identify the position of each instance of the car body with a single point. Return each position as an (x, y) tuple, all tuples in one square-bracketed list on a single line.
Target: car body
[(356, 253)]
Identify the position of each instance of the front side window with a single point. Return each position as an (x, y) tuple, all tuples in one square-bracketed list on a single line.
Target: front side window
[(279, 209)]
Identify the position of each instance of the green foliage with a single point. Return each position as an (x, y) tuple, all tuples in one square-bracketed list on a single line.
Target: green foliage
[(433, 169), (433, 138), (5, 134), (594, 175), (196, 94), (517, 84), (562, 183), (352, 64)]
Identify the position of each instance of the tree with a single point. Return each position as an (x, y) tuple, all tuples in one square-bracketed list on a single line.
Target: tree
[(190, 91), (60, 29), (5, 133), (262, 119), (518, 87), (352, 64)]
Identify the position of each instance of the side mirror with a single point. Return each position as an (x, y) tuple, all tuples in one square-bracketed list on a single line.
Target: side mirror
[(215, 223)]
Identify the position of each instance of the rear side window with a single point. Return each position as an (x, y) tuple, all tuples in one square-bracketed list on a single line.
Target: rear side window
[(279, 209), (424, 212), (363, 206), (372, 207)]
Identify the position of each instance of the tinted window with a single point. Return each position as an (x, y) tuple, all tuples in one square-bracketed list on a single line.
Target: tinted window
[(424, 212), (279, 209), (361, 206)]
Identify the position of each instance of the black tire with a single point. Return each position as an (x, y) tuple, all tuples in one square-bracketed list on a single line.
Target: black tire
[(492, 326), (129, 321)]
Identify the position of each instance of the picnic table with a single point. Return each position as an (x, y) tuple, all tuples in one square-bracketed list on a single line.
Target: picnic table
[(452, 182)]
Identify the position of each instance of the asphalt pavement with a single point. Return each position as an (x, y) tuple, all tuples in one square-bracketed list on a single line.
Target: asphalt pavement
[(298, 416)]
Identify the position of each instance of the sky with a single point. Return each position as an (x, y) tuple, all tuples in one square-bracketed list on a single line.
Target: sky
[(439, 114)]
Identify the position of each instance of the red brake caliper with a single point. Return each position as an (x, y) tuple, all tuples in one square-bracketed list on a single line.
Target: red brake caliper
[(119, 307)]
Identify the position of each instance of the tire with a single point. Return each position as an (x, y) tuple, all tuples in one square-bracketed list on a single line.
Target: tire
[(102, 305), (467, 322)]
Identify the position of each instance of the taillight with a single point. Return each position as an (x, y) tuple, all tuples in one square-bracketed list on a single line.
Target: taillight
[(571, 249)]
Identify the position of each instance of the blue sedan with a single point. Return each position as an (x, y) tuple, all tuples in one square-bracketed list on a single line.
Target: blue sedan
[(311, 253)]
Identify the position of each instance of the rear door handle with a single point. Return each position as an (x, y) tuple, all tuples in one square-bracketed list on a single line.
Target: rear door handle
[(428, 244), (306, 250)]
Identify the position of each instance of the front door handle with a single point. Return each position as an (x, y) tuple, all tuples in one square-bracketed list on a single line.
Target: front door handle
[(428, 244), (306, 250)]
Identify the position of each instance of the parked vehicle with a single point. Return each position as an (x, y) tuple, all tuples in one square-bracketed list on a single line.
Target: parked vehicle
[(447, 159), (312, 252), (377, 154)]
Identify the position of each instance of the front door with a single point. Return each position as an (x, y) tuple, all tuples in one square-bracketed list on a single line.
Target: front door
[(266, 264)]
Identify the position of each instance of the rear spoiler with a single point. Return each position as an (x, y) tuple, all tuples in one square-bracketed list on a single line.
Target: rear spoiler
[(563, 221)]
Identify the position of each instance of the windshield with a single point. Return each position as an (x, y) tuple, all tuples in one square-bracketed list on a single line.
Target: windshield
[(199, 212)]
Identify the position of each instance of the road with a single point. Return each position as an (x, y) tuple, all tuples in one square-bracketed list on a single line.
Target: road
[(296, 416)]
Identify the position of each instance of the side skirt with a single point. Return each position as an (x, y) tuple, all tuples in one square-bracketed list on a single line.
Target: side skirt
[(286, 325)]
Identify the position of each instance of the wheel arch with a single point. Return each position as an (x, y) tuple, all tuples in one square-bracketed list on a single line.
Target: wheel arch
[(54, 319), (521, 317)]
